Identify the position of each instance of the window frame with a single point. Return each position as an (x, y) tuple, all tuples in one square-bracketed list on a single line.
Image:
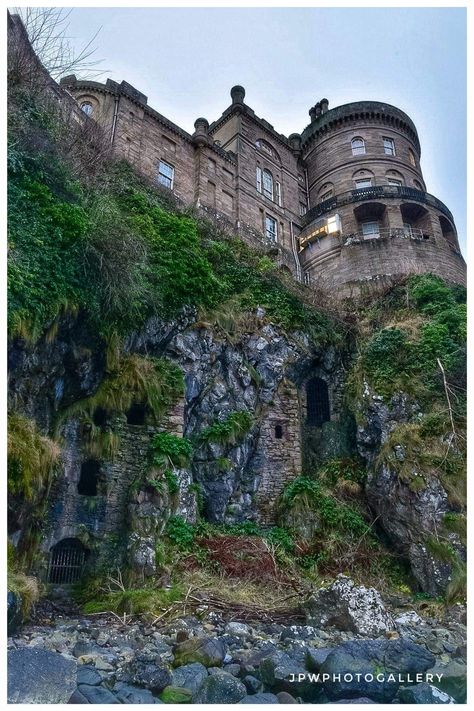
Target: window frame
[(163, 177), (268, 193), (395, 182), (358, 150), (363, 180), (389, 150), (90, 105), (373, 233), (270, 234)]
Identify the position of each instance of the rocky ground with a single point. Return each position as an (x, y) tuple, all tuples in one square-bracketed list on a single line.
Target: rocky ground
[(97, 659)]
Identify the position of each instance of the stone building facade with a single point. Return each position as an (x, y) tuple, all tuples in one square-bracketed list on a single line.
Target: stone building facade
[(343, 205)]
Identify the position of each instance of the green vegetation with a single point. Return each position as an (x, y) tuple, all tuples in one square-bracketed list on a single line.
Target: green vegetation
[(228, 431), (31, 458), (167, 452)]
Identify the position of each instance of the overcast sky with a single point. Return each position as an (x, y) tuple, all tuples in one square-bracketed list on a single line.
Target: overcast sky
[(186, 60)]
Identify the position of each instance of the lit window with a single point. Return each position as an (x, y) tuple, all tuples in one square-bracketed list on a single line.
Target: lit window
[(411, 157), (394, 182), (363, 183), (267, 184), (86, 106), (166, 174), (388, 146), (358, 146), (370, 229), (271, 228)]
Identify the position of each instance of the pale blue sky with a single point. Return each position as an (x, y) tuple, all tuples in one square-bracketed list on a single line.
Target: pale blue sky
[(186, 60)]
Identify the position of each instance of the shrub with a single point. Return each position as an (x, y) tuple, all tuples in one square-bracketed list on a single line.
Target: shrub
[(31, 457), (229, 431), (180, 532), (169, 450)]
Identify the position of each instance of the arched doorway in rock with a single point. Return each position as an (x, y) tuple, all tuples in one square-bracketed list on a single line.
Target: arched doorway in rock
[(317, 402), (66, 561)]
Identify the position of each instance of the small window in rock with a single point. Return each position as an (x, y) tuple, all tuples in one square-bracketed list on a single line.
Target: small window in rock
[(66, 562), (136, 414), (278, 432), (99, 417), (89, 478), (317, 402)]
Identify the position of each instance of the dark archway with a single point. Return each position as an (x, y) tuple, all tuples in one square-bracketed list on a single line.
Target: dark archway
[(278, 431), (89, 479), (66, 561), (99, 417), (449, 233), (317, 402)]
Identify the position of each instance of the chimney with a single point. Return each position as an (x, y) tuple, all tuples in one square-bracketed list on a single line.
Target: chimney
[(201, 132), (324, 105), (238, 94)]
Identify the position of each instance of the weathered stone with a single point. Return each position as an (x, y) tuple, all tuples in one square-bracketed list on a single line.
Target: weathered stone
[(13, 612), (127, 694), (176, 695), (349, 607), (424, 694), (37, 676), (316, 657), (88, 675), (279, 672), (189, 676), (237, 629), (97, 694), (209, 651), (371, 657), (220, 688), (150, 676), (285, 698), (264, 698), (252, 684), (453, 680)]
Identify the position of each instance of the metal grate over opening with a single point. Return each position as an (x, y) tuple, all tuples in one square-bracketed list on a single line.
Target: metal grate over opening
[(317, 402), (66, 561)]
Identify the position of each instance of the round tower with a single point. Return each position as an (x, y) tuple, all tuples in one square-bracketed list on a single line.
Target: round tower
[(370, 219)]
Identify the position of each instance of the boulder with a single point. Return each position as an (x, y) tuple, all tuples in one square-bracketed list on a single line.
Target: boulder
[(349, 608), (423, 694), (453, 680), (371, 668), (279, 672), (252, 684), (189, 676), (176, 695), (37, 676), (88, 675), (97, 694), (208, 651), (237, 629), (127, 694), (285, 698), (150, 676), (260, 699), (220, 688), (316, 657)]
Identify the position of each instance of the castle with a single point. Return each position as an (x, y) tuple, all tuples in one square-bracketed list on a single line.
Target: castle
[(343, 205)]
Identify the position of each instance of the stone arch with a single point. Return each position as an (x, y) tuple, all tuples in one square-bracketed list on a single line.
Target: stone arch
[(66, 561), (416, 220), (449, 233), (371, 219), (395, 175)]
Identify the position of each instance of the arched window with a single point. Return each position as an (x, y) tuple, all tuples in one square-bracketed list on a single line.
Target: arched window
[(358, 146), (418, 185), (66, 562), (89, 478), (411, 157), (317, 402), (267, 184), (87, 107), (278, 431)]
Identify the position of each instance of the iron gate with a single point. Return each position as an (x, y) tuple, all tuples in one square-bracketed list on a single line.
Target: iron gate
[(66, 561)]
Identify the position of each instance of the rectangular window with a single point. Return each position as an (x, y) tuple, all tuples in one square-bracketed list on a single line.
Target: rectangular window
[(268, 184), (211, 193), (271, 228), (302, 209), (370, 229), (259, 179), (363, 183), (407, 229), (388, 146), (211, 166), (278, 193), (395, 183), (168, 144), (228, 202), (166, 174)]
